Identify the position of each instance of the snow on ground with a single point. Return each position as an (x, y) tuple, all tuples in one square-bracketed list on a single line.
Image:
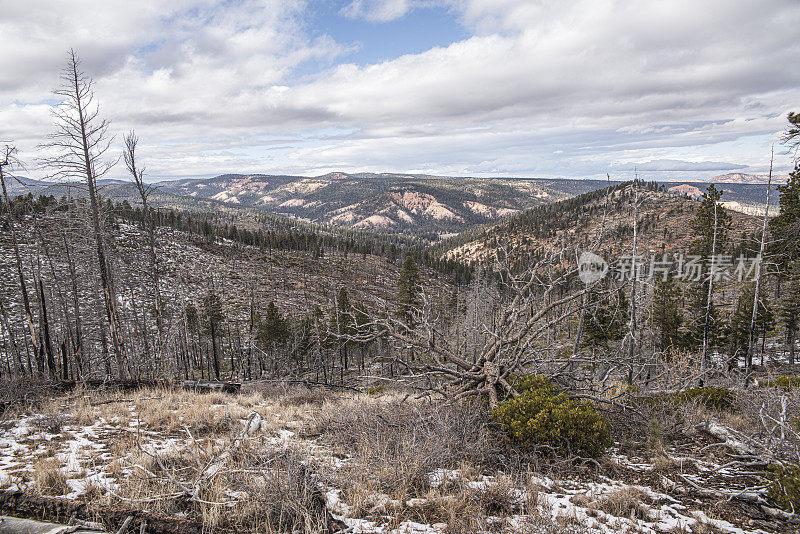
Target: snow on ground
[(84, 453)]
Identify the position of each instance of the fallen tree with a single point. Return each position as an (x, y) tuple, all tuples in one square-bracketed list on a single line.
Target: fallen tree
[(61, 510)]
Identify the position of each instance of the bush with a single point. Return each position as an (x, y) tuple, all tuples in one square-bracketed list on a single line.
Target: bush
[(541, 415), (526, 383), (720, 398), (786, 383), (784, 490)]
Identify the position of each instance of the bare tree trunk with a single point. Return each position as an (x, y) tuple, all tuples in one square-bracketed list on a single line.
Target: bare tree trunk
[(19, 368), (757, 292), (45, 328), (250, 338), (144, 192), (62, 299), (79, 362), (632, 333), (705, 357)]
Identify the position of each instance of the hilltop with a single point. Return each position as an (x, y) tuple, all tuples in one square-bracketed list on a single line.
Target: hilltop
[(600, 219)]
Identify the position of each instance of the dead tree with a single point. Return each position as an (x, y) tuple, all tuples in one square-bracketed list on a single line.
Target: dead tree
[(18, 369), (705, 357), (513, 335), (752, 338), (632, 325), (144, 191), (80, 143), (7, 162)]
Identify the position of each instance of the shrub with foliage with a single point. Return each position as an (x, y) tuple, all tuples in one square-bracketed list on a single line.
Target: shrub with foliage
[(786, 383), (542, 415), (784, 490), (720, 398)]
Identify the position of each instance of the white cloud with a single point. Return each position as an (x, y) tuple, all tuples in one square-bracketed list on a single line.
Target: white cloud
[(672, 165), (377, 10), (545, 88), (387, 10)]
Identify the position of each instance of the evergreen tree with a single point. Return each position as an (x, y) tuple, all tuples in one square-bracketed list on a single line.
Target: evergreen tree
[(785, 253), (711, 225), (792, 135), (790, 308), (213, 321), (274, 328), (706, 323), (785, 227), (606, 319), (408, 290), (667, 317)]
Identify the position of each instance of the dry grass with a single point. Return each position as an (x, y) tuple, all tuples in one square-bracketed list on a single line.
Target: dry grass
[(393, 446), (172, 411), (627, 502), (52, 416), (48, 478), (92, 492), (290, 394), (260, 489), (390, 446)]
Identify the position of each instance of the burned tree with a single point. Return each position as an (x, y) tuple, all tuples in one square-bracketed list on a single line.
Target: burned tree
[(144, 191), (79, 145), (534, 301)]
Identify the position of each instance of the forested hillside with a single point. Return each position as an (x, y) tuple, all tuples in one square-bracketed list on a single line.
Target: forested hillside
[(208, 270), (600, 220)]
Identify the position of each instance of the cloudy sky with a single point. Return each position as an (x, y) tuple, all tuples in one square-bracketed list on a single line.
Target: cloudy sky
[(537, 88)]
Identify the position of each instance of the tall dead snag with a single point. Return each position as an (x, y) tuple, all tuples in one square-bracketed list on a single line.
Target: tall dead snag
[(633, 330), (79, 143), (752, 338), (705, 356), (7, 162), (144, 192), (47, 344)]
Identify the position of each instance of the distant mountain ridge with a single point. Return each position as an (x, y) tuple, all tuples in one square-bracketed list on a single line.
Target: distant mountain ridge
[(381, 201), (424, 205)]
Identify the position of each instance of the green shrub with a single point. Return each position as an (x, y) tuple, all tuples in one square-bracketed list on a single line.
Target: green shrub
[(784, 490), (784, 382), (541, 415), (526, 383), (377, 390), (720, 398)]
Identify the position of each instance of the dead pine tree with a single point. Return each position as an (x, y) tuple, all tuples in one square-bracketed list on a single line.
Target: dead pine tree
[(632, 336), (144, 190), (78, 146), (515, 332), (7, 162), (705, 362), (752, 338)]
